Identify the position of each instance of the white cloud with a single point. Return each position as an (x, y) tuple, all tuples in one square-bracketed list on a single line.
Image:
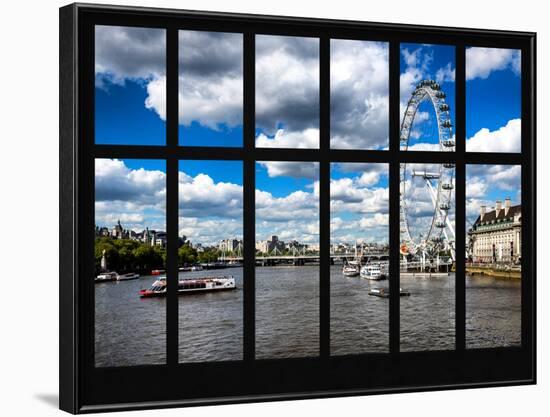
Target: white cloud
[(378, 219), (481, 62), (308, 138), (287, 84), (210, 78), (359, 205), (505, 139), (418, 63), (445, 74), (359, 94), (292, 217), (309, 170), (487, 183), (200, 196), (123, 53)]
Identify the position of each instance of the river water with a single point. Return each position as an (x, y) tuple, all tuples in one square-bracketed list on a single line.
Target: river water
[(132, 331)]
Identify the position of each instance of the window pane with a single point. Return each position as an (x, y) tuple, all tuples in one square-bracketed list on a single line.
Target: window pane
[(359, 319), (287, 92), (287, 259), (493, 100), (210, 88), (493, 270), (210, 261), (130, 85), (427, 257), (427, 97), (130, 254), (359, 94)]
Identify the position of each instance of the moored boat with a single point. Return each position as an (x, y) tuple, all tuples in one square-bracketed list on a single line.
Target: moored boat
[(158, 271), (384, 293), (106, 276), (372, 272), (127, 277), (191, 286), (350, 270)]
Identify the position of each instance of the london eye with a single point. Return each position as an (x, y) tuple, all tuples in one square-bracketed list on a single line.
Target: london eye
[(439, 234)]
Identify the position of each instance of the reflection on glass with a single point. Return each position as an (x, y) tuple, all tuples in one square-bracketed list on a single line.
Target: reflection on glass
[(130, 255), (493, 268), (427, 280), (287, 259), (210, 88), (427, 97), (210, 259), (287, 92), (359, 94), (130, 85), (493, 100), (359, 319)]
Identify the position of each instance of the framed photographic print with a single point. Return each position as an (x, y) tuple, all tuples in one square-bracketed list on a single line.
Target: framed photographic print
[(257, 208)]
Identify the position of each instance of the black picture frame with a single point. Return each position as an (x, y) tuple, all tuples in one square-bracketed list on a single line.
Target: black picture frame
[(84, 388)]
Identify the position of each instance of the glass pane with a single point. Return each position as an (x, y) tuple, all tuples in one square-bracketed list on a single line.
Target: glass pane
[(130, 85), (210, 88), (493, 100), (130, 256), (359, 94), (210, 261), (493, 269), (427, 97), (287, 92), (287, 259), (359, 253), (427, 279)]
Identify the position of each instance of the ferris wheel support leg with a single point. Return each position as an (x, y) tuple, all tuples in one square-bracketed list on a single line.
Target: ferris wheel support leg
[(447, 220)]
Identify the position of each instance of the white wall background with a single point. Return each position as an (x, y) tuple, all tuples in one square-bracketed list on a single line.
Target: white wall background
[(29, 206)]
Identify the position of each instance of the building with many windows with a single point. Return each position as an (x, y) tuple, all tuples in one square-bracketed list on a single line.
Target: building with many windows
[(230, 245), (496, 234), (268, 246)]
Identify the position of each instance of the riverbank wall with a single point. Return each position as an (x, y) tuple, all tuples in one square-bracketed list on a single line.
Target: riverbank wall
[(494, 272)]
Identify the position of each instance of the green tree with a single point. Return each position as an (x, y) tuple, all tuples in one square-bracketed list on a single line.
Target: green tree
[(187, 255)]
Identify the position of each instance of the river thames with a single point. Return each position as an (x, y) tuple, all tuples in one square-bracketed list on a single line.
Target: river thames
[(132, 331)]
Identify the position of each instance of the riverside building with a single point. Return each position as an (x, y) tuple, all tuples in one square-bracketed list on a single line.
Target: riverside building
[(496, 235)]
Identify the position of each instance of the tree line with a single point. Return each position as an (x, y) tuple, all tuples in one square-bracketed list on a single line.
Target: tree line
[(126, 255)]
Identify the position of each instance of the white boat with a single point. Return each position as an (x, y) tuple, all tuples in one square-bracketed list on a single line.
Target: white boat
[(190, 286), (350, 270), (372, 272), (127, 277), (106, 276), (197, 268)]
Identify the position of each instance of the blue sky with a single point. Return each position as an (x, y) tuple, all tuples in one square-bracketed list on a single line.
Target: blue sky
[(359, 202), (493, 100), (287, 204), (426, 62), (485, 184), (130, 109)]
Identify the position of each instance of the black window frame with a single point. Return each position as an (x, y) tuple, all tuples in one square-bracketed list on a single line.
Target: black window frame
[(85, 388)]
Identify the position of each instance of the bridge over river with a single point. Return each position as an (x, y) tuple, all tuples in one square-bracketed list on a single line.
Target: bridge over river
[(270, 260)]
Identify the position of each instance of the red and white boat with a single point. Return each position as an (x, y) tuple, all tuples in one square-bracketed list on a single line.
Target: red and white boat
[(191, 286)]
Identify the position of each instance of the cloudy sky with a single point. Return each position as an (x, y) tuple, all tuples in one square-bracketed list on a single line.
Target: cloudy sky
[(287, 92), (130, 81), (487, 183), (359, 203), (359, 94), (493, 100), (419, 204), (426, 62)]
